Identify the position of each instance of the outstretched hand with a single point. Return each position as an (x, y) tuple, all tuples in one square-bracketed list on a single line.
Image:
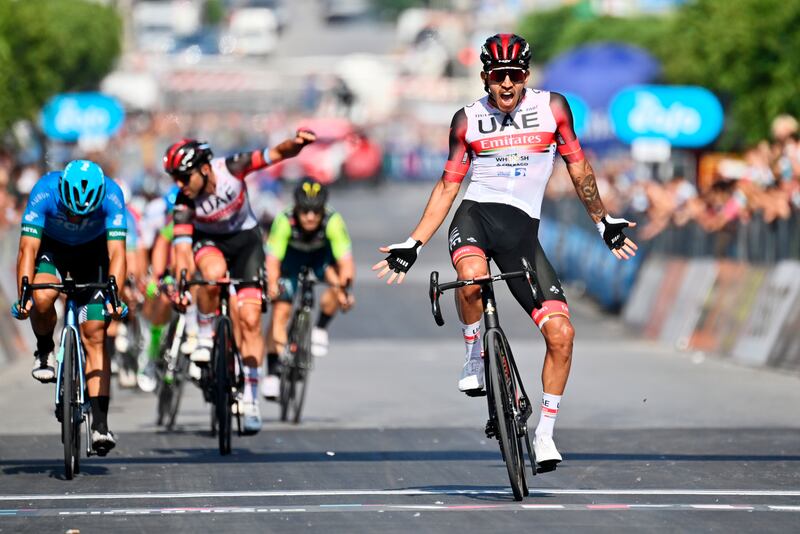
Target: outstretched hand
[(400, 259), (611, 230)]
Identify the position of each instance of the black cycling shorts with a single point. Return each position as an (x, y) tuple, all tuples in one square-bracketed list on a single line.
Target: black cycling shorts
[(85, 263), (243, 251), (505, 234)]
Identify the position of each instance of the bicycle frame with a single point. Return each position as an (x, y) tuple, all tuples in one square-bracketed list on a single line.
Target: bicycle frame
[(71, 323)]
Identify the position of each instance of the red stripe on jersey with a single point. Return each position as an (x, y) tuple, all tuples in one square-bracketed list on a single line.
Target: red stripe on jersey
[(534, 139), (571, 151), (454, 171), (225, 212)]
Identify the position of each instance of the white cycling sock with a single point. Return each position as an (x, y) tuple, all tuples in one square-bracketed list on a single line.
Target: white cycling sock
[(472, 339), (205, 322), (251, 375), (547, 418), (191, 319)]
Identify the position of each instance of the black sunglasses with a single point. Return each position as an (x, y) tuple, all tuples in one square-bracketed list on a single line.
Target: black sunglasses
[(499, 75), (318, 211), (182, 178)]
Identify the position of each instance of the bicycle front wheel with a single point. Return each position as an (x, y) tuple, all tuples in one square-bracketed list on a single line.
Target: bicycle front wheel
[(70, 406), (294, 376), (504, 399), (224, 373)]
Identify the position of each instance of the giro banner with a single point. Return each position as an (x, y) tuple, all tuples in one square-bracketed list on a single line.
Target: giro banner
[(698, 279), (666, 297), (720, 315), (776, 299), (733, 309)]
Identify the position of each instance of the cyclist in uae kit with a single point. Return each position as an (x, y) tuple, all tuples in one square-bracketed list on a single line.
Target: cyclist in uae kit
[(510, 138), (308, 234), (74, 223), (216, 230)]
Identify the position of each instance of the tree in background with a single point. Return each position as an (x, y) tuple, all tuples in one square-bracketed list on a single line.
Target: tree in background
[(743, 50), (50, 47)]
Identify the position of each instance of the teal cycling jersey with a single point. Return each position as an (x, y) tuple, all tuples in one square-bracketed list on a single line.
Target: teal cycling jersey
[(46, 215)]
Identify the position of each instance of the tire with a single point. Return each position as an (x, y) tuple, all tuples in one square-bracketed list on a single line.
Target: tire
[(177, 390), (504, 398), (70, 430), (294, 376), (222, 358), (165, 392)]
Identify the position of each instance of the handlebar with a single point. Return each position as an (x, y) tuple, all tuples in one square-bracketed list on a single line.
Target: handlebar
[(436, 289), (69, 287), (260, 282)]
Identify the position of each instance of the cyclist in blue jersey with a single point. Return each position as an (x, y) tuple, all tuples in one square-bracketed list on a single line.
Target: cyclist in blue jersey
[(74, 223)]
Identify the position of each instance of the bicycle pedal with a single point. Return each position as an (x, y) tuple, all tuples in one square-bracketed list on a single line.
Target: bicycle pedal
[(546, 466), (490, 430), (475, 393)]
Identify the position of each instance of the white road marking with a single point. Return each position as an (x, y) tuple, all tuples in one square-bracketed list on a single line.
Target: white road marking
[(405, 492)]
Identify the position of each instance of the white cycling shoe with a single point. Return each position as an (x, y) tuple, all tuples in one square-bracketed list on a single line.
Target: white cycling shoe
[(271, 387), (146, 378), (189, 344), (547, 456), (319, 342), (472, 376), (44, 368), (251, 420), (202, 354)]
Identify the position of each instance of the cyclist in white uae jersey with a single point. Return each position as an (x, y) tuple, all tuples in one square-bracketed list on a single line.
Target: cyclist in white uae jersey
[(510, 138), (215, 224)]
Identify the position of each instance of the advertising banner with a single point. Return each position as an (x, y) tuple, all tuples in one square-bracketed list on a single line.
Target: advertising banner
[(698, 279), (664, 300), (786, 353), (686, 116), (70, 117), (776, 299), (718, 314), (640, 305)]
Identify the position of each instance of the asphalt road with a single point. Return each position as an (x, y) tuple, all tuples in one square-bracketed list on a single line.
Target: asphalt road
[(652, 438)]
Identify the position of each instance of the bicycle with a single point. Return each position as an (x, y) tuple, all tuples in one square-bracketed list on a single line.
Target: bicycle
[(223, 380), (172, 371), (72, 399), (297, 360), (130, 338), (509, 405)]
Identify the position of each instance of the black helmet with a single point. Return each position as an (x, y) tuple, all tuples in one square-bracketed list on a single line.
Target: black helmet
[(310, 195), (507, 50), (186, 155)]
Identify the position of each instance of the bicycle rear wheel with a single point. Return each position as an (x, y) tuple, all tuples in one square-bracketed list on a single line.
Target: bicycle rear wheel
[(70, 406), (224, 372), (504, 398), (165, 390)]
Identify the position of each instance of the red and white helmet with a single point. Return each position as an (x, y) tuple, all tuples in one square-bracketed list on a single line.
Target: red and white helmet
[(186, 155), (505, 50)]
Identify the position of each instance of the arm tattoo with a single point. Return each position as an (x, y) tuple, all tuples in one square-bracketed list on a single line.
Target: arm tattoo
[(586, 188)]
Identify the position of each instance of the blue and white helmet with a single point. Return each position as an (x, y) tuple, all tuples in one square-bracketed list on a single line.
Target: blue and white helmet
[(82, 186)]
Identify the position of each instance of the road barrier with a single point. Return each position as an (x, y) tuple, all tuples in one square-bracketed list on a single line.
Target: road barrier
[(745, 312)]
